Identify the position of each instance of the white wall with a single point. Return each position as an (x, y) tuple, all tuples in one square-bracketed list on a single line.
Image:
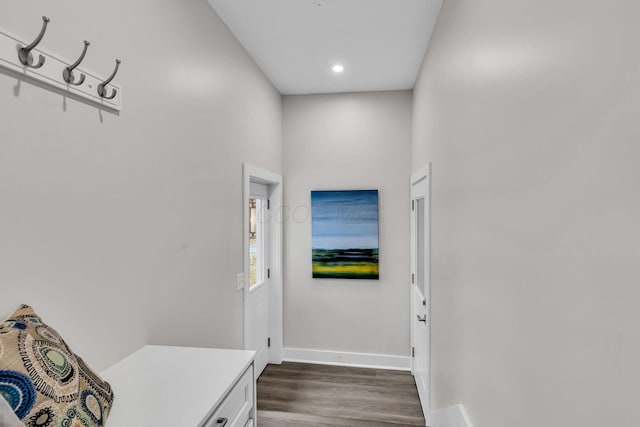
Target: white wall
[(529, 113), (348, 141), (123, 230)]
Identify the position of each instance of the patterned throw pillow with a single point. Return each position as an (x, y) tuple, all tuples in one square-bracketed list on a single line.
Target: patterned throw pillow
[(43, 381)]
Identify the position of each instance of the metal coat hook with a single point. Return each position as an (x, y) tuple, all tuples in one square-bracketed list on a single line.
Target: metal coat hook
[(67, 74), (24, 54), (101, 87)]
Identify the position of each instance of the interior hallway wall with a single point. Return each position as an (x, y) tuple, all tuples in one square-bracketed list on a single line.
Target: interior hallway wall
[(529, 113), (126, 230), (342, 142)]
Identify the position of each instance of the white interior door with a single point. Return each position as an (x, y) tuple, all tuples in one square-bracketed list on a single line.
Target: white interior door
[(259, 336), (421, 286), (258, 295), (262, 266)]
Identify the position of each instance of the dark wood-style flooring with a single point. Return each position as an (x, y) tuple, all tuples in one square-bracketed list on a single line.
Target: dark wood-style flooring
[(306, 395)]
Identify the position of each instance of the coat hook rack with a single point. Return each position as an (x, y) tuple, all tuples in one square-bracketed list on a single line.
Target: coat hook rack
[(102, 91), (25, 55), (30, 63), (68, 75)]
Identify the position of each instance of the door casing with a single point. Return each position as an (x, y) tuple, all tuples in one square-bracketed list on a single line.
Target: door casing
[(274, 181)]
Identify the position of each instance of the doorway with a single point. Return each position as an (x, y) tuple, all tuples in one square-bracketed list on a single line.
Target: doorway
[(421, 286), (262, 265)]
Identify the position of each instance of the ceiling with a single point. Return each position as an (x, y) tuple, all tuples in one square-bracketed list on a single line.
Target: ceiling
[(380, 43)]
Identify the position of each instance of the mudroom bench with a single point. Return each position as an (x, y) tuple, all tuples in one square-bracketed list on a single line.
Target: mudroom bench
[(160, 386)]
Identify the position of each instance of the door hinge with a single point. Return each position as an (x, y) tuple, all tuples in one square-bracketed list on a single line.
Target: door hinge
[(413, 278), (413, 352), (413, 205), (268, 204), (269, 342), (268, 273)]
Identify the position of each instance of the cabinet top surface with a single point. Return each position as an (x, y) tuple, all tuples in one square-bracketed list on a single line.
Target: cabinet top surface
[(172, 386)]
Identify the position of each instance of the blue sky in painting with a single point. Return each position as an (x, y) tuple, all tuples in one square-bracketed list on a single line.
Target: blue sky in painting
[(344, 219)]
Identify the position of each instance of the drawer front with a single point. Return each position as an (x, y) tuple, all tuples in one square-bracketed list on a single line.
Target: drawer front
[(235, 409)]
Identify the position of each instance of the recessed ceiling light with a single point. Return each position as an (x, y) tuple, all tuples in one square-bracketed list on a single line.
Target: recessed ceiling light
[(338, 68)]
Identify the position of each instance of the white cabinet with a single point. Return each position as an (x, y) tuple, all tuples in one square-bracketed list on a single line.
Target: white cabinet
[(235, 409), (160, 386)]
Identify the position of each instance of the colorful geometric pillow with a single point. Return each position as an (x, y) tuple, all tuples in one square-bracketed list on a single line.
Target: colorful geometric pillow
[(43, 381)]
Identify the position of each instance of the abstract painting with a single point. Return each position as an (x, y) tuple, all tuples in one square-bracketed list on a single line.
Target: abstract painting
[(345, 234)]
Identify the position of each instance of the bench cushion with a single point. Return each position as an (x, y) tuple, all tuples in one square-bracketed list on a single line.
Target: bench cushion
[(43, 381)]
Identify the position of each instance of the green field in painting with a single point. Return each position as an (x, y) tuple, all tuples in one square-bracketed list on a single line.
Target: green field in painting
[(345, 264)]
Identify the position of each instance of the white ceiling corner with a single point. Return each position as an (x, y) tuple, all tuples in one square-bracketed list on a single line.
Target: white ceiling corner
[(380, 43)]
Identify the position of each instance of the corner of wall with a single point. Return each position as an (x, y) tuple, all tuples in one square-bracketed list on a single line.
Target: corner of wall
[(453, 416)]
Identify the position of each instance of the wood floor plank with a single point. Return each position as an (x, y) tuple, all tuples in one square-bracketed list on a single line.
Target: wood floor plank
[(375, 377), (312, 388), (280, 419), (322, 395)]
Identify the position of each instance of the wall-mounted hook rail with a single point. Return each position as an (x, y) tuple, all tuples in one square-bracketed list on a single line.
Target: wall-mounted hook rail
[(25, 55), (56, 73), (68, 75), (102, 91)]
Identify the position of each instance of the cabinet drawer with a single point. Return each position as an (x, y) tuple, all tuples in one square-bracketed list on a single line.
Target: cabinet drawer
[(235, 409)]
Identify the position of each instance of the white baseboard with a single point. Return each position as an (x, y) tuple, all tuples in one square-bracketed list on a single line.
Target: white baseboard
[(341, 358), (453, 416)]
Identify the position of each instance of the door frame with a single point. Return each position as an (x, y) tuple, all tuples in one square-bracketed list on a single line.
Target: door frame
[(424, 173), (250, 174)]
